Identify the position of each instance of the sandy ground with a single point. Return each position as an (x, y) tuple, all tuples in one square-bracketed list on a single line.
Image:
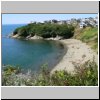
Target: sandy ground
[(78, 53)]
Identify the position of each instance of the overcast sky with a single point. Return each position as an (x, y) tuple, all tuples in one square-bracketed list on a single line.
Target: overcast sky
[(26, 18)]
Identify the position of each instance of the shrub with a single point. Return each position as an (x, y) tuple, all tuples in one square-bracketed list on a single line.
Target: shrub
[(85, 75), (46, 30)]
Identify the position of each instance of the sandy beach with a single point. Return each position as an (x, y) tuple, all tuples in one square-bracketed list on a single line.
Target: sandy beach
[(77, 53)]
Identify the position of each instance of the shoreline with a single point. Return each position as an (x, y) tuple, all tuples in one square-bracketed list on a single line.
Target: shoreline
[(78, 53), (34, 37)]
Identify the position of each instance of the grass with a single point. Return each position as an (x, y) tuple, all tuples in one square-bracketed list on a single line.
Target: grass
[(85, 75), (88, 35)]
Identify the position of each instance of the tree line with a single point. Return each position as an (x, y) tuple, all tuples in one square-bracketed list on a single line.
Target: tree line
[(45, 30)]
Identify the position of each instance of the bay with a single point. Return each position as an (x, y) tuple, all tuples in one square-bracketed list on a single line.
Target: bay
[(29, 54)]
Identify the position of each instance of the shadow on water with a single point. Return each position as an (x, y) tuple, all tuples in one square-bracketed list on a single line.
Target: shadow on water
[(60, 55)]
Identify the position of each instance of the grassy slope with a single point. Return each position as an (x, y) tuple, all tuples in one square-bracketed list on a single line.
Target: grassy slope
[(88, 35)]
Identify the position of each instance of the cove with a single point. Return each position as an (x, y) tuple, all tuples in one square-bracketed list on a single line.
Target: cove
[(31, 54)]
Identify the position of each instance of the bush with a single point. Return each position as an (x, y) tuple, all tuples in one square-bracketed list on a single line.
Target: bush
[(45, 30), (85, 75)]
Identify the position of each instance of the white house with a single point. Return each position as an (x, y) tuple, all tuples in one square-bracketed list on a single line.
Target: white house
[(82, 25)]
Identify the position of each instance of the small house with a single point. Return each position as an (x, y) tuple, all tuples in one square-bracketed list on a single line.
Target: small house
[(83, 25)]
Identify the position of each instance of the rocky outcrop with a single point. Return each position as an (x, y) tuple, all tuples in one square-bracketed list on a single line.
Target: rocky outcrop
[(54, 38), (15, 36), (29, 37), (35, 37)]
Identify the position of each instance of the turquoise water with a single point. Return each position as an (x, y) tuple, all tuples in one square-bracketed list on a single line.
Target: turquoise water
[(29, 54)]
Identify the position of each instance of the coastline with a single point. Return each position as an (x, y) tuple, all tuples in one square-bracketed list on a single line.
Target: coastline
[(78, 53), (34, 37)]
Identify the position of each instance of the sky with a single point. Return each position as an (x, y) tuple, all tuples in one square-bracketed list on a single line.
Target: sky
[(27, 18)]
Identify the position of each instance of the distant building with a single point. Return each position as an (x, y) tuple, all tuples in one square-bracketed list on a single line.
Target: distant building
[(47, 21), (68, 21), (61, 22), (83, 25), (82, 22), (54, 21), (96, 21)]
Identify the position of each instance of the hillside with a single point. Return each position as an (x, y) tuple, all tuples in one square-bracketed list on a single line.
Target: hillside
[(88, 35)]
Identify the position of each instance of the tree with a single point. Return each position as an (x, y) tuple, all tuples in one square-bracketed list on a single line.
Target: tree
[(46, 30)]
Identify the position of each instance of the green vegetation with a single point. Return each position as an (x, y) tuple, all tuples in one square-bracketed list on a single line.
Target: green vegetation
[(85, 75), (45, 30), (88, 35)]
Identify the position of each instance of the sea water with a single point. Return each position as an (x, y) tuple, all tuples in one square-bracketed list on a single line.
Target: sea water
[(29, 54)]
